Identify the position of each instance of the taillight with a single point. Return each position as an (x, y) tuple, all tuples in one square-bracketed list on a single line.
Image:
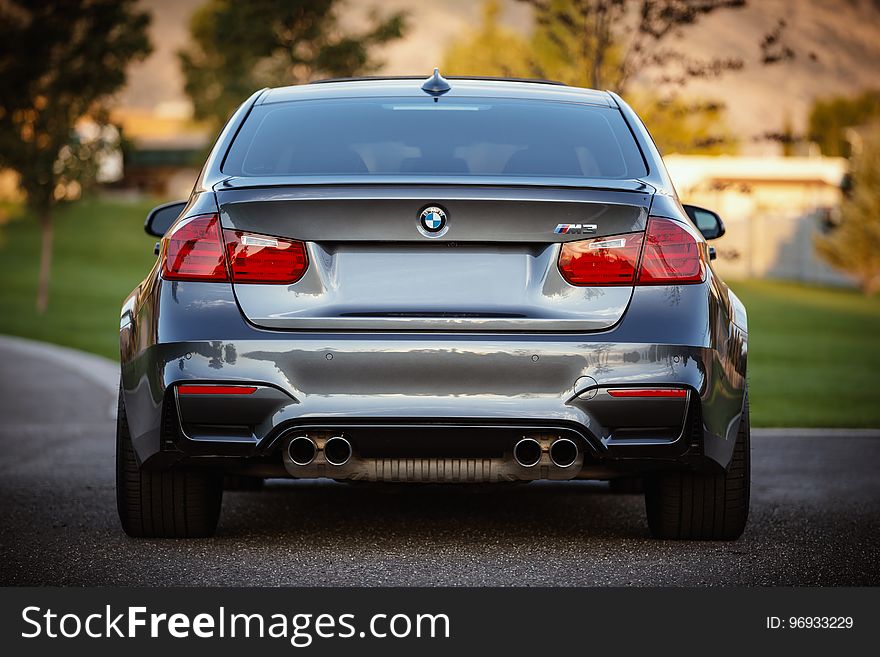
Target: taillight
[(194, 250), (672, 254), (601, 261), (667, 253), (264, 259)]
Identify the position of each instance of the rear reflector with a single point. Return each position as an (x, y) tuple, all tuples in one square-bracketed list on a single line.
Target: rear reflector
[(216, 390), (647, 392), (601, 261)]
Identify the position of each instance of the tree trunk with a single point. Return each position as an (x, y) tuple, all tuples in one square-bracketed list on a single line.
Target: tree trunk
[(601, 45), (45, 260)]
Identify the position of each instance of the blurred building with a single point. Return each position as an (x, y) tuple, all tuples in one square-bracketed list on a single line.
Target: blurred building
[(771, 206), (164, 150)]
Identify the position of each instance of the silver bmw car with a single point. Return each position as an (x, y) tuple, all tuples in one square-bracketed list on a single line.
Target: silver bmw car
[(457, 280)]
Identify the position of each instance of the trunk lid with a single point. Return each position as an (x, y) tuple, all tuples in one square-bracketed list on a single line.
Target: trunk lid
[(494, 268)]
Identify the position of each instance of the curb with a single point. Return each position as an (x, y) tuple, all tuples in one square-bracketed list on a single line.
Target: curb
[(814, 432), (97, 369)]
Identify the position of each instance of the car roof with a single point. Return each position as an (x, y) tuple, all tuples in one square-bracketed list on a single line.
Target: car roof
[(471, 87)]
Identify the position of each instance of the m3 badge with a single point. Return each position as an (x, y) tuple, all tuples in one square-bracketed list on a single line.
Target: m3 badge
[(575, 229)]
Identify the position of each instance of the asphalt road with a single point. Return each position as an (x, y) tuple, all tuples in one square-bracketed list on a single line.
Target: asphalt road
[(815, 514)]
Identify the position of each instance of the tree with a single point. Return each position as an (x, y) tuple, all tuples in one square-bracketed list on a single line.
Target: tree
[(59, 63), (628, 46), (787, 137), (695, 126), (603, 44), (489, 50), (854, 244), (611, 42), (239, 47), (830, 117)]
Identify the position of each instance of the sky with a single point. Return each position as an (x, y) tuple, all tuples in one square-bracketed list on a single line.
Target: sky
[(843, 34)]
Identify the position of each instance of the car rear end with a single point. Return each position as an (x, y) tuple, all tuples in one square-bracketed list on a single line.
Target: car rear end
[(376, 283)]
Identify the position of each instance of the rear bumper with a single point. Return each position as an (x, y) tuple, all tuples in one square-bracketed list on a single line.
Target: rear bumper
[(605, 426), (428, 388)]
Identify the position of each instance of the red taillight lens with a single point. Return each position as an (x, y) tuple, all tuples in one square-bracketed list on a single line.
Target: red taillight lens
[(601, 261), (193, 251), (264, 259), (672, 254)]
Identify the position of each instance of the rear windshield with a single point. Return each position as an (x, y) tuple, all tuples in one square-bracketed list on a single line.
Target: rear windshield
[(450, 137)]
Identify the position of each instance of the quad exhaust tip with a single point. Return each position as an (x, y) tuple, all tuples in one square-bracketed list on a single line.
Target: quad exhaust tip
[(527, 452), (302, 450), (337, 451), (563, 452)]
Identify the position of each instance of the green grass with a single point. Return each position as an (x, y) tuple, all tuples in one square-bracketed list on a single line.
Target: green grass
[(814, 353), (101, 253)]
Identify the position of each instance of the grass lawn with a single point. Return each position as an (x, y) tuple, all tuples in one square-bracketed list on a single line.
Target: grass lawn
[(814, 353), (101, 252)]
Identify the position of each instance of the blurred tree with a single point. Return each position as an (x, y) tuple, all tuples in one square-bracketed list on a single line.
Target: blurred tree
[(489, 50), (239, 47), (59, 63), (694, 126), (787, 137), (854, 244), (573, 45), (829, 118), (609, 44)]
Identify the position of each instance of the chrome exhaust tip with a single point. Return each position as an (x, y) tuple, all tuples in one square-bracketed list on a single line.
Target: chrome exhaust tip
[(563, 452), (527, 452), (302, 450), (337, 450)]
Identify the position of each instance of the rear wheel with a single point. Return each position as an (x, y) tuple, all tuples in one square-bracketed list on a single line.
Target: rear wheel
[(175, 503), (700, 506)]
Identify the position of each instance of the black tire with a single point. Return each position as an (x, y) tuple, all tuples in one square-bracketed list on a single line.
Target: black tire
[(175, 503), (695, 506)]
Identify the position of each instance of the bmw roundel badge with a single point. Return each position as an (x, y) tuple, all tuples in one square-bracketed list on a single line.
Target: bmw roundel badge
[(432, 221)]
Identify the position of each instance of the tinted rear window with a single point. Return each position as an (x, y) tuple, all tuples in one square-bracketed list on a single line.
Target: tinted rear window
[(419, 137)]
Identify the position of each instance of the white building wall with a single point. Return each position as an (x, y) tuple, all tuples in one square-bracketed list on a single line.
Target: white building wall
[(772, 209)]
